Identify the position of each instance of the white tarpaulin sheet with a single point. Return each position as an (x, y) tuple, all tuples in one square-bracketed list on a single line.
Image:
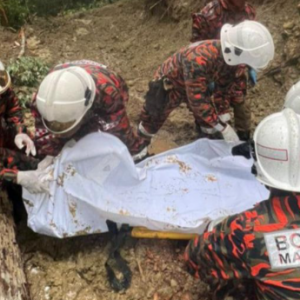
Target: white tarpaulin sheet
[(179, 190)]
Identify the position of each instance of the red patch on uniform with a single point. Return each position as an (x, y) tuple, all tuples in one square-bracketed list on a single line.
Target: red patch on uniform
[(251, 214), (256, 269), (10, 160), (248, 240), (279, 212)]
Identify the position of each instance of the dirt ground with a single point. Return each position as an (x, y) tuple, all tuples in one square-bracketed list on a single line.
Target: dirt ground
[(133, 41)]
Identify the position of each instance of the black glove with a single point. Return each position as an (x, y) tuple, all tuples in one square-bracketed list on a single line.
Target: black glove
[(244, 135), (243, 149)]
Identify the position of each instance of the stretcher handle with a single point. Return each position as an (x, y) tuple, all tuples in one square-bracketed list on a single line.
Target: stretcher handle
[(144, 233)]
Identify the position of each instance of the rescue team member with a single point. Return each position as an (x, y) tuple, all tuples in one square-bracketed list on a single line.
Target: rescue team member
[(208, 23), (257, 252), (12, 129), (73, 100), (292, 99), (11, 117), (185, 77)]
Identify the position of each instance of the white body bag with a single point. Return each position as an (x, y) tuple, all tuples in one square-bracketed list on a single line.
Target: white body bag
[(180, 190)]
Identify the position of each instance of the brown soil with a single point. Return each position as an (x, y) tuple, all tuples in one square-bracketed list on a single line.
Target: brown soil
[(133, 41)]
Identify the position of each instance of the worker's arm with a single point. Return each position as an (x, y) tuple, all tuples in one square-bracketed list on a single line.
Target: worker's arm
[(218, 256), (241, 105), (196, 73), (11, 162), (14, 118), (8, 175), (13, 114), (113, 117)]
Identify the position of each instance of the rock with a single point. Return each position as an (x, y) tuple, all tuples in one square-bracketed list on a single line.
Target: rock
[(285, 34), (186, 296), (289, 25), (84, 21), (291, 49), (130, 83), (165, 291), (173, 283), (33, 43), (150, 292), (82, 31), (158, 276)]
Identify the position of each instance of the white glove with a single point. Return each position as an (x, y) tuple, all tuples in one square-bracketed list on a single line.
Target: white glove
[(45, 163), (229, 134), (35, 181), (140, 155), (21, 140)]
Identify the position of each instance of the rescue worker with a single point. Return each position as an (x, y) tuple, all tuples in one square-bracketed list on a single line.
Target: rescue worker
[(185, 77), (12, 128), (208, 23), (73, 100), (292, 99), (255, 254)]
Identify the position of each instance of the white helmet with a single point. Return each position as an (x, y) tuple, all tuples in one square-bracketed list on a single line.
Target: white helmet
[(277, 148), (247, 43), (64, 97), (5, 80), (292, 98)]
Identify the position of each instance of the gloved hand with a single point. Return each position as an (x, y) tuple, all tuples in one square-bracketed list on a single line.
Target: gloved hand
[(35, 181), (141, 155), (252, 76), (229, 134), (243, 149), (21, 140), (45, 163)]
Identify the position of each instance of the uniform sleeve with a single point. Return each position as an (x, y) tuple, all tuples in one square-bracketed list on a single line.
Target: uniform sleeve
[(237, 90), (196, 83), (112, 111), (9, 175), (13, 161), (237, 96), (111, 103), (200, 28), (219, 256), (13, 113)]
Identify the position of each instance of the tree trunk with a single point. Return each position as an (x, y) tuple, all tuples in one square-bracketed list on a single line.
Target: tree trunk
[(13, 284)]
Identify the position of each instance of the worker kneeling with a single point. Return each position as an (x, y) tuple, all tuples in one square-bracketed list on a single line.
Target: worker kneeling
[(256, 254), (186, 77), (81, 97), (75, 99)]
